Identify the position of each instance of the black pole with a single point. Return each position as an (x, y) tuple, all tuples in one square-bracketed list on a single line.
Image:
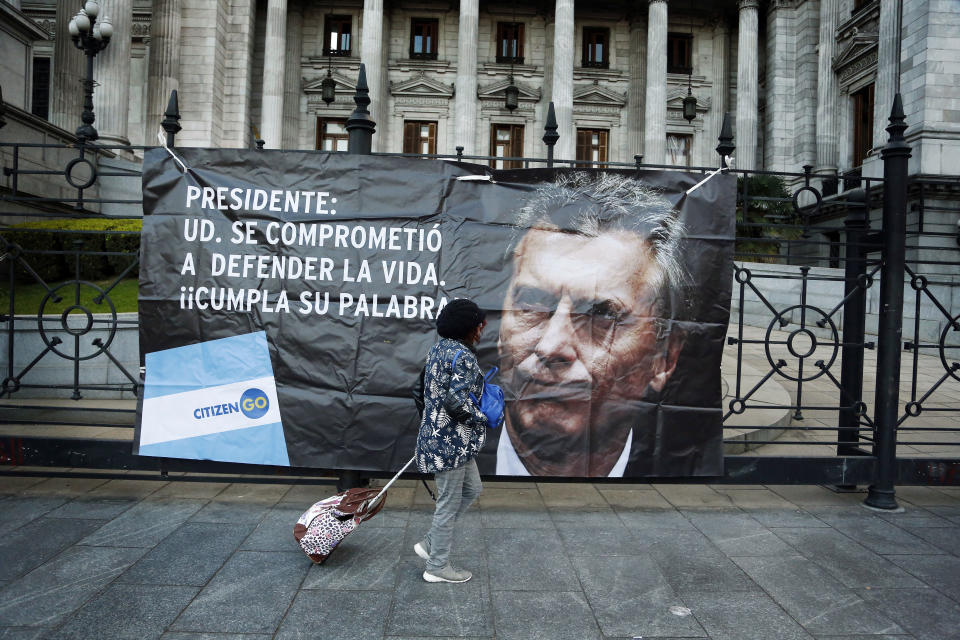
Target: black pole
[(86, 132), (360, 127), (854, 316), (171, 119), (550, 135), (889, 342)]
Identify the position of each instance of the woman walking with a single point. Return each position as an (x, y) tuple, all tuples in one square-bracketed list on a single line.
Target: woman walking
[(452, 431)]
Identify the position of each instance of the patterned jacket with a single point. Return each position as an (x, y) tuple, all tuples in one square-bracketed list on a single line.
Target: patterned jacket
[(453, 428)]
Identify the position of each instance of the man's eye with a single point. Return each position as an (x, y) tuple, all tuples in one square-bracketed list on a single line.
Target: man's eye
[(606, 311)]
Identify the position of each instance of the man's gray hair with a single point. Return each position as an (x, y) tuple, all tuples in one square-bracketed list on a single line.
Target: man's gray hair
[(591, 204)]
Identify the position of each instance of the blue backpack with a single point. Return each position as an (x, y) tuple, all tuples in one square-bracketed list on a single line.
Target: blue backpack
[(491, 399)]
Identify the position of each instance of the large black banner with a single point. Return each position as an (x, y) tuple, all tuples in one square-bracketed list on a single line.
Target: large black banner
[(288, 299)]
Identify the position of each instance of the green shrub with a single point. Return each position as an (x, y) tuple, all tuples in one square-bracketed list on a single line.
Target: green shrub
[(765, 224), (64, 235)]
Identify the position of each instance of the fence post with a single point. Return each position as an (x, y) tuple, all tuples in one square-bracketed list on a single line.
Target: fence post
[(360, 127), (171, 119), (895, 155), (726, 146), (854, 323), (550, 135)]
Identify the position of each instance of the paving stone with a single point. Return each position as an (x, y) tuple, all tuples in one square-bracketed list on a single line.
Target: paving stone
[(18, 511), (576, 517), (93, 509), (916, 519), (926, 496), (126, 612), (501, 518), (791, 518), (12, 485), (499, 498), (20, 633), (39, 540), (818, 602), (583, 496), (520, 541), (940, 572), (250, 594), (924, 613), (689, 561), (543, 616), (532, 570), (635, 499), (612, 540), (629, 596), (345, 615), (126, 489), (366, 560), (642, 520), (737, 534), (852, 564), (743, 616), (465, 609), (177, 635), (186, 489), (945, 539), (876, 534), (52, 591), (275, 531), (145, 524), (232, 512), (63, 487), (808, 495), (752, 498), (305, 495), (467, 536), (190, 556), (254, 493), (692, 495)]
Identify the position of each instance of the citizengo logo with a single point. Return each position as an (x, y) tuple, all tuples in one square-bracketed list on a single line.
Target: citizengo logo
[(254, 403)]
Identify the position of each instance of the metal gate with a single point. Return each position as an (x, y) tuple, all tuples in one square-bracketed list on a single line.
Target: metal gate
[(813, 397)]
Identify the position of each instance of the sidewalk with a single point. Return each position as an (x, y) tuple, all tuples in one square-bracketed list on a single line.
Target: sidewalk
[(146, 559)]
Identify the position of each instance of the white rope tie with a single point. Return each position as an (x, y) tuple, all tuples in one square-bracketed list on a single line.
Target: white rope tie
[(727, 159), (163, 143)]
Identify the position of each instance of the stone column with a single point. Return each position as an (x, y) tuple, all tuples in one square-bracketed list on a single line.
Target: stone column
[(721, 81), (780, 146), (371, 55), (66, 100), (562, 94), (887, 68), (274, 56), (635, 102), (291, 80), (747, 91), (163, 68), (655, 122), (827, 158), (466, 87), (111, 100)]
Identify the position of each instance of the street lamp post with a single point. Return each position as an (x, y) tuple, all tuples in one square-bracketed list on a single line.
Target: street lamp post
[(91, 37)]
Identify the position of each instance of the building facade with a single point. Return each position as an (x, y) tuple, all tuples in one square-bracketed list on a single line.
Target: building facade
[(806, 81)]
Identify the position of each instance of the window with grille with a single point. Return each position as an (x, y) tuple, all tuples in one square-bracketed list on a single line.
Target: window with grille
[(332, 134), (337, 36), (862, 124), (678, 149), (419, 137), (679, 53), (506, 141), (423, 38), (510, 42), (592, 145), (596, 47)]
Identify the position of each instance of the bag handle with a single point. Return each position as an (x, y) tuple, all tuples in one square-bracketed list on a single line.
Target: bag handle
[(383, 491), (491, 373)]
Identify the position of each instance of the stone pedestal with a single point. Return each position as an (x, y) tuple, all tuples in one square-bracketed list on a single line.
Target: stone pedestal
[(747, 93), (655, 121)]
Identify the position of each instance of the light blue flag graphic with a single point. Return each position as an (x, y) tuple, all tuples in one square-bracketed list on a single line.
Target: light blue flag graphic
[(215, 400)]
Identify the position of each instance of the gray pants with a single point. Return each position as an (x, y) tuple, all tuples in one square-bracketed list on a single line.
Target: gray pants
[(456, 491)]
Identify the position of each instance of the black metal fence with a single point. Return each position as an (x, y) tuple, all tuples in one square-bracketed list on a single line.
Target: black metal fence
[(811, 273)]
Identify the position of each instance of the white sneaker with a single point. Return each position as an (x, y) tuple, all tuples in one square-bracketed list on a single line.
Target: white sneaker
[(422, 549), (447, 574)]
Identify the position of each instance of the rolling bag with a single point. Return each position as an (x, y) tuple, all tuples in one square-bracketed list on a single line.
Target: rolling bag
[(325, 524)]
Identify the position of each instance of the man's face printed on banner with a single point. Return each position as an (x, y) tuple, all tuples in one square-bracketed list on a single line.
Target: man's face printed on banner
[(580, 344)]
